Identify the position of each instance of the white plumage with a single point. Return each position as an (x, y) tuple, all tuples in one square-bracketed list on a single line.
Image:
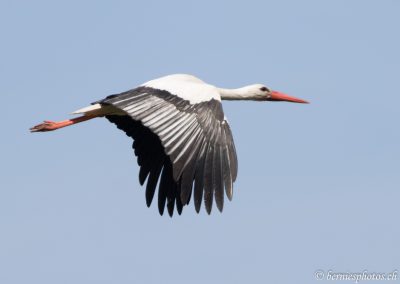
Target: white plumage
[(186, 87)]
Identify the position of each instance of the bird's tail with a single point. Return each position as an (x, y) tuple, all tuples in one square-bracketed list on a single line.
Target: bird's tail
[(99, 110), (88, 109)]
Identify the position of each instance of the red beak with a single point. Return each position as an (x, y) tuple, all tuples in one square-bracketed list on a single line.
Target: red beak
[(277, 96)]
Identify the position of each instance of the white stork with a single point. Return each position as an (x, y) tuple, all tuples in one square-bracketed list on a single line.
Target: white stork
[(180, 133)]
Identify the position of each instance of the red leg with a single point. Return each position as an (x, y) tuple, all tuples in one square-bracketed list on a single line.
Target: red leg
[(52, 125)]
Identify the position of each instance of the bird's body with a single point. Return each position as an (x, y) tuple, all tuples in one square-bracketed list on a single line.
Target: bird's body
[(187, 87), (181, 137)]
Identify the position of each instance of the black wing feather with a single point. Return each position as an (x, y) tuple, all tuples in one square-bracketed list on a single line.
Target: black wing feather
[(152, 182), (181, 142), (199, 177)]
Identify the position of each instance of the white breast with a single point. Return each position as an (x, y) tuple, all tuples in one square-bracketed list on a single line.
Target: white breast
[(186, 87)]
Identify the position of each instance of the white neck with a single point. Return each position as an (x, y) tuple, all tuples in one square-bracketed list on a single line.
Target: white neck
[(244, 93)]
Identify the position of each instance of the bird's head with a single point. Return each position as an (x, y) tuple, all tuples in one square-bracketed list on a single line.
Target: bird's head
[(263, 93)]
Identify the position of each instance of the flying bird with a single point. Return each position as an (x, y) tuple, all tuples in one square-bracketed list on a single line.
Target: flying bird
[(182, 139)]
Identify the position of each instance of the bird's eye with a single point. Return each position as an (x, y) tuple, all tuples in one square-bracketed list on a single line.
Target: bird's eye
[(264, 89)]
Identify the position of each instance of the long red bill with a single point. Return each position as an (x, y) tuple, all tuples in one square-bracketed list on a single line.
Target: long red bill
[(277, 96)]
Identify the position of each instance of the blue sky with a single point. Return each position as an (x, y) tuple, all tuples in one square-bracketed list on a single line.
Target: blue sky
[(318, 184)]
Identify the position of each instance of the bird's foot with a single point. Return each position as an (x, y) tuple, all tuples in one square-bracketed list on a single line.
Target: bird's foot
[(47, 125)]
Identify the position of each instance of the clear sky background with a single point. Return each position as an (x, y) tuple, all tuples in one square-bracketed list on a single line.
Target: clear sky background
[(318, 185)]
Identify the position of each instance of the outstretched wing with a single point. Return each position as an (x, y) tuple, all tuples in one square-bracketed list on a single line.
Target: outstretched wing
[(186, 144)]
